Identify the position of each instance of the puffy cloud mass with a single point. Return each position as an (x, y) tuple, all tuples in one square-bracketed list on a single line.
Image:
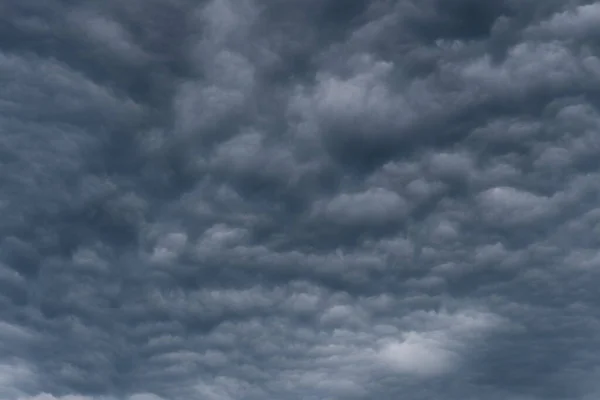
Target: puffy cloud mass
[(318, 199)]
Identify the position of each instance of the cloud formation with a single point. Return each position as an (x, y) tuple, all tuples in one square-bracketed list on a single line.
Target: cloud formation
[(299, 200)]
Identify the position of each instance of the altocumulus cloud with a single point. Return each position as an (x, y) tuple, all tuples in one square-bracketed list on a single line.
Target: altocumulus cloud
[(327, 199)]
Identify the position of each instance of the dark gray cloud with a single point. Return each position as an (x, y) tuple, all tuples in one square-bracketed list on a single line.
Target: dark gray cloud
[(299, 200)]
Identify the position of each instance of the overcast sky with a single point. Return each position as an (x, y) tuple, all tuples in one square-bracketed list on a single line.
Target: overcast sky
[(299, 199)]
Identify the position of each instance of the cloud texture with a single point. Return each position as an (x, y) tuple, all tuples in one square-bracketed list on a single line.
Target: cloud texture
[(325, 199)]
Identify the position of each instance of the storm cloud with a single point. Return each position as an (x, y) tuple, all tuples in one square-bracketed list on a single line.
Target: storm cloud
[(317, 199)]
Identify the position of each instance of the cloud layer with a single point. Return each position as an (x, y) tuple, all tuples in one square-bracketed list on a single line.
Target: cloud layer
[(299, 200)]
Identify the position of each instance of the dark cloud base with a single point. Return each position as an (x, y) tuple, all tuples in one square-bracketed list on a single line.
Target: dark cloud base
[(299, 200)]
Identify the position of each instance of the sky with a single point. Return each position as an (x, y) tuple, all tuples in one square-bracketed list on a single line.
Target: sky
[(299, 199)]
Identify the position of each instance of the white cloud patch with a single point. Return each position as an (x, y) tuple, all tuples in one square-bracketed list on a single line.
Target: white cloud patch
[(417, 355), (439, 348)]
